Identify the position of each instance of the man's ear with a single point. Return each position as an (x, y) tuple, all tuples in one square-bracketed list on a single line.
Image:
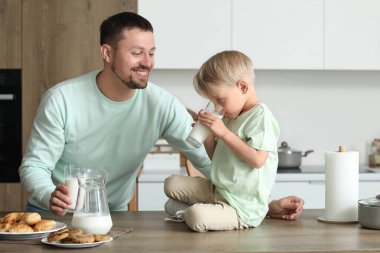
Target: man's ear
[(243, 86), (106, 51)]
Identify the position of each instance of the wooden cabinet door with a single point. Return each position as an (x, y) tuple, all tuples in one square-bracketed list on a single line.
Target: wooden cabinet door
[(51, 41), (10, 57), (279, 34), (60, 41), (10, 33), (11, 197), (352, 34), (187, 32)]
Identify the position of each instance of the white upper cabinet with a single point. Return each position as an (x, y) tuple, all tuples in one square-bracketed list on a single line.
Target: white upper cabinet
[(352, 34), (275, 34), (279, 34), (187, 32)]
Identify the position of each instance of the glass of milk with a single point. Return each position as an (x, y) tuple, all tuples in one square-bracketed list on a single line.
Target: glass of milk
[(92, 211), (199, 133), (71, 182)]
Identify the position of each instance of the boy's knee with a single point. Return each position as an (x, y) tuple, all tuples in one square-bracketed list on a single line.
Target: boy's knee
[(170, 185), (195, 218)]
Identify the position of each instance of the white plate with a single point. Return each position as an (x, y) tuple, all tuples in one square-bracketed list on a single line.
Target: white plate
[(31, 235), (74, 245)]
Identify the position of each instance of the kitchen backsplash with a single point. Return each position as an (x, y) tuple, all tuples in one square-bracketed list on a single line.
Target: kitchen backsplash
[(317, 110)]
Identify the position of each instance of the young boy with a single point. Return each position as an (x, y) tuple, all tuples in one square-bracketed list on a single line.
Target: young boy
[(243, 149)]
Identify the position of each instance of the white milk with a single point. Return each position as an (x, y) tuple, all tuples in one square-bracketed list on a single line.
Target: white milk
[(92, 224), (72, 184), (198, 135)]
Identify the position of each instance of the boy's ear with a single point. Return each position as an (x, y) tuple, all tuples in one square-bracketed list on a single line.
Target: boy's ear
[(243, 86)]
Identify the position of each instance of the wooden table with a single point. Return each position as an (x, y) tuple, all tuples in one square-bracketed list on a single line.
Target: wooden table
[(152, 234)]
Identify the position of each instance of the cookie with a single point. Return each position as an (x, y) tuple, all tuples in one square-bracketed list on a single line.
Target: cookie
[(75, 231), (101, 237), (44, 225), (58, 235), (85, 238)]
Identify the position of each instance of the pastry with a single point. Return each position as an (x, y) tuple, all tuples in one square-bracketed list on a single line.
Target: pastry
[(4, 227), (20, 228), (31, 218), (12, 217), (44, 225)]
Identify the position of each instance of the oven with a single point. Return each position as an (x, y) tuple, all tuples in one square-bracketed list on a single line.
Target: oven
[(10, 124)]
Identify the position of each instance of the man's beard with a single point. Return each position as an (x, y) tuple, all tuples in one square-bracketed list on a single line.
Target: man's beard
[(132, 84)]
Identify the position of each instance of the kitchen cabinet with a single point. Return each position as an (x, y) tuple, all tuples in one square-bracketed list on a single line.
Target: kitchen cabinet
[(279, 34), (308, 186), (150, 185), (151, 196), (313, 192), (188, 32), (352, 34), (10, 33), (11, 194), (275, 34), (62, 42)]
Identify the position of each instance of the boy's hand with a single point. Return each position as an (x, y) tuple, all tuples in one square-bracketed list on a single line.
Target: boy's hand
[(213, 123), (288, 208)]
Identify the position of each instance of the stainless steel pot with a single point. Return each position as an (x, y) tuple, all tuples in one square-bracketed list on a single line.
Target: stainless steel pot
[(289, 158), (369, 212)]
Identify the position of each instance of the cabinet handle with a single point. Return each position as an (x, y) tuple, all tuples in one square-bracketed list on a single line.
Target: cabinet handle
[(7, 97), (316, 182)]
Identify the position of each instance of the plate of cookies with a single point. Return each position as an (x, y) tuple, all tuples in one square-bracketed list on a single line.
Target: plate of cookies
[(75, 238), (26, 226)]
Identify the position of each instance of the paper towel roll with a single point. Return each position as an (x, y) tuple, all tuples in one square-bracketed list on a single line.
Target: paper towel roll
[(341, 186)]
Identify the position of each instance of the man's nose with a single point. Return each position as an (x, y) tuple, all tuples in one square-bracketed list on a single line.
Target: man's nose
[(147, 60)]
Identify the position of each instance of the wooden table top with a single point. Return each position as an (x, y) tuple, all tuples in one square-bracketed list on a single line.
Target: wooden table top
[(152, 234)]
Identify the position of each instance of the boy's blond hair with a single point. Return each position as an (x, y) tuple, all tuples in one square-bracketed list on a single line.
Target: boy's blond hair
[(223, 69)]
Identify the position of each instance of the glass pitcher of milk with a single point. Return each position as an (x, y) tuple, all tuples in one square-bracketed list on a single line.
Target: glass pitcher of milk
[(91, 212)]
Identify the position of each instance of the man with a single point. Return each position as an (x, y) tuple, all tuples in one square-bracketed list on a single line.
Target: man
[(110, 119)]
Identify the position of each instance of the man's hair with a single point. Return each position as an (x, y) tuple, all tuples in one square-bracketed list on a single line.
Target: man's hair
[(111, 29), (223, 69)]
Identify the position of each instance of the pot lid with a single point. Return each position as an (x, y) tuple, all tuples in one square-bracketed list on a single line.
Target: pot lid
[(284, 148), (370, 202)]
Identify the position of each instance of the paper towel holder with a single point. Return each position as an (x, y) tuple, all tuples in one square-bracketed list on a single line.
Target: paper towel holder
[(341, 149)]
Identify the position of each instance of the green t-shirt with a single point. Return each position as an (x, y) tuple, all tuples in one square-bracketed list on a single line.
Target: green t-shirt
[(245, 188), (76, 124)]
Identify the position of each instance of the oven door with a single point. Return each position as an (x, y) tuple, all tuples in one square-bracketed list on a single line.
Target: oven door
[(10, 134)]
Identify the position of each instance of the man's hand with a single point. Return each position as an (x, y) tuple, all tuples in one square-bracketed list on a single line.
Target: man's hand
[(288, 208), (59, 200)]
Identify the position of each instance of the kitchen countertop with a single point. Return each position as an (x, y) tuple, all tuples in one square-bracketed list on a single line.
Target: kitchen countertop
[(305, 173), (152, 234)]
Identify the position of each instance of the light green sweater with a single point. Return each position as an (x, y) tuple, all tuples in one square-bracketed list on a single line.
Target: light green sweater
[(76, 124)]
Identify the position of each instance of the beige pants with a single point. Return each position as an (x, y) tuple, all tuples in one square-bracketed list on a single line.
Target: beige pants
[(209, 210)]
